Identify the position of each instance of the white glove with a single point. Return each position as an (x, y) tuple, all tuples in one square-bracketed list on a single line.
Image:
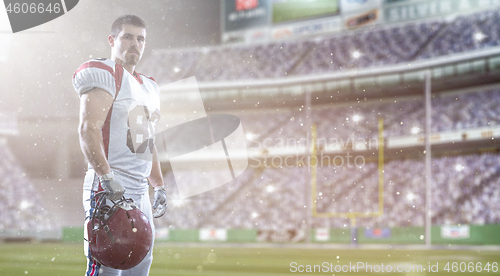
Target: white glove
[(113, 189), (160, 203)]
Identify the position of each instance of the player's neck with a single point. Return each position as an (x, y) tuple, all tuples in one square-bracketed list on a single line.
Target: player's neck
[(129, 67)]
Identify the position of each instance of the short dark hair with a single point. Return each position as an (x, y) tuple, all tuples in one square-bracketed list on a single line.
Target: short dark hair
[(126, 19)]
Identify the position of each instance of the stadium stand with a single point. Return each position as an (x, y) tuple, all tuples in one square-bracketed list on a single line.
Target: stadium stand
[(20, 204), (450, 112), (273, 198), (382, 45), (466, 33)]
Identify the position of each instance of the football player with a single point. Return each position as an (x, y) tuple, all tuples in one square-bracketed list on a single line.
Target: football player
[(118, 111)]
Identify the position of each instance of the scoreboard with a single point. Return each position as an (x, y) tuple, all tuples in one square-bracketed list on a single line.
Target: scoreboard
[(267, 20), (253, 21)]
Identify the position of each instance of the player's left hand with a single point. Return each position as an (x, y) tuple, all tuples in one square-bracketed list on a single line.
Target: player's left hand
[(160, 203)]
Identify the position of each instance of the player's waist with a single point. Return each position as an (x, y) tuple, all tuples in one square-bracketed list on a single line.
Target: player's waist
[(133, 183)]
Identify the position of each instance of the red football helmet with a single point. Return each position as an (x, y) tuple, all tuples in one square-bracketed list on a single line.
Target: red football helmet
[(120, 236)]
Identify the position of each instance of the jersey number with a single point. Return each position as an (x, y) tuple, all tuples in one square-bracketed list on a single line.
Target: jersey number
[(140, 134)]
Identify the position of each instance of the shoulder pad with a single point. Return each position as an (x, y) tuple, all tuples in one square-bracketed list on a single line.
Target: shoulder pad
[(98, 73)]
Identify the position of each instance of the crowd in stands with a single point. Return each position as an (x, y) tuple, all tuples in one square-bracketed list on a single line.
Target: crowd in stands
[(20, 204), (463, 187), (359, 120), (373, 47), (464, 191), (466, 33), (275, 197)]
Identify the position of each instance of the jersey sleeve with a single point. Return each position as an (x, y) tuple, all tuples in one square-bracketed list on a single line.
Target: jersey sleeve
[(94, 74)]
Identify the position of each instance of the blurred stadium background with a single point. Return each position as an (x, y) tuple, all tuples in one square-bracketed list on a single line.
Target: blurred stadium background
[(291, 70)]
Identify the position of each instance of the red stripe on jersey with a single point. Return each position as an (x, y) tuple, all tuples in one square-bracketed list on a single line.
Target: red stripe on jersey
[(94, 64), (107, 123), (151, 78), (105, 132), (118, 78), (105, 137), (136, 77)]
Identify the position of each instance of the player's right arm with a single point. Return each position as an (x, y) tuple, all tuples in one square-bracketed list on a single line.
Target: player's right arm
[(95, 83), (94, 108)]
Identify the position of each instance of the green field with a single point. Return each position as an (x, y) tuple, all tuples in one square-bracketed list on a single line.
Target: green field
[(295, 10), (67, 259)]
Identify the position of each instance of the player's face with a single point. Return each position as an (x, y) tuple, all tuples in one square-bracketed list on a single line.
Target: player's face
[(128, 45)]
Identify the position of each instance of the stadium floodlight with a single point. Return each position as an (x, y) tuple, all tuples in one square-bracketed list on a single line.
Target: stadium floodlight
[(356, 54), (479, 36), (270, 188), (249, 135), (410, 196), (459, 167), (25, 205)]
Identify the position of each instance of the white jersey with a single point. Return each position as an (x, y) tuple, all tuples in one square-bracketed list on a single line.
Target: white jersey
[(128, 132)]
